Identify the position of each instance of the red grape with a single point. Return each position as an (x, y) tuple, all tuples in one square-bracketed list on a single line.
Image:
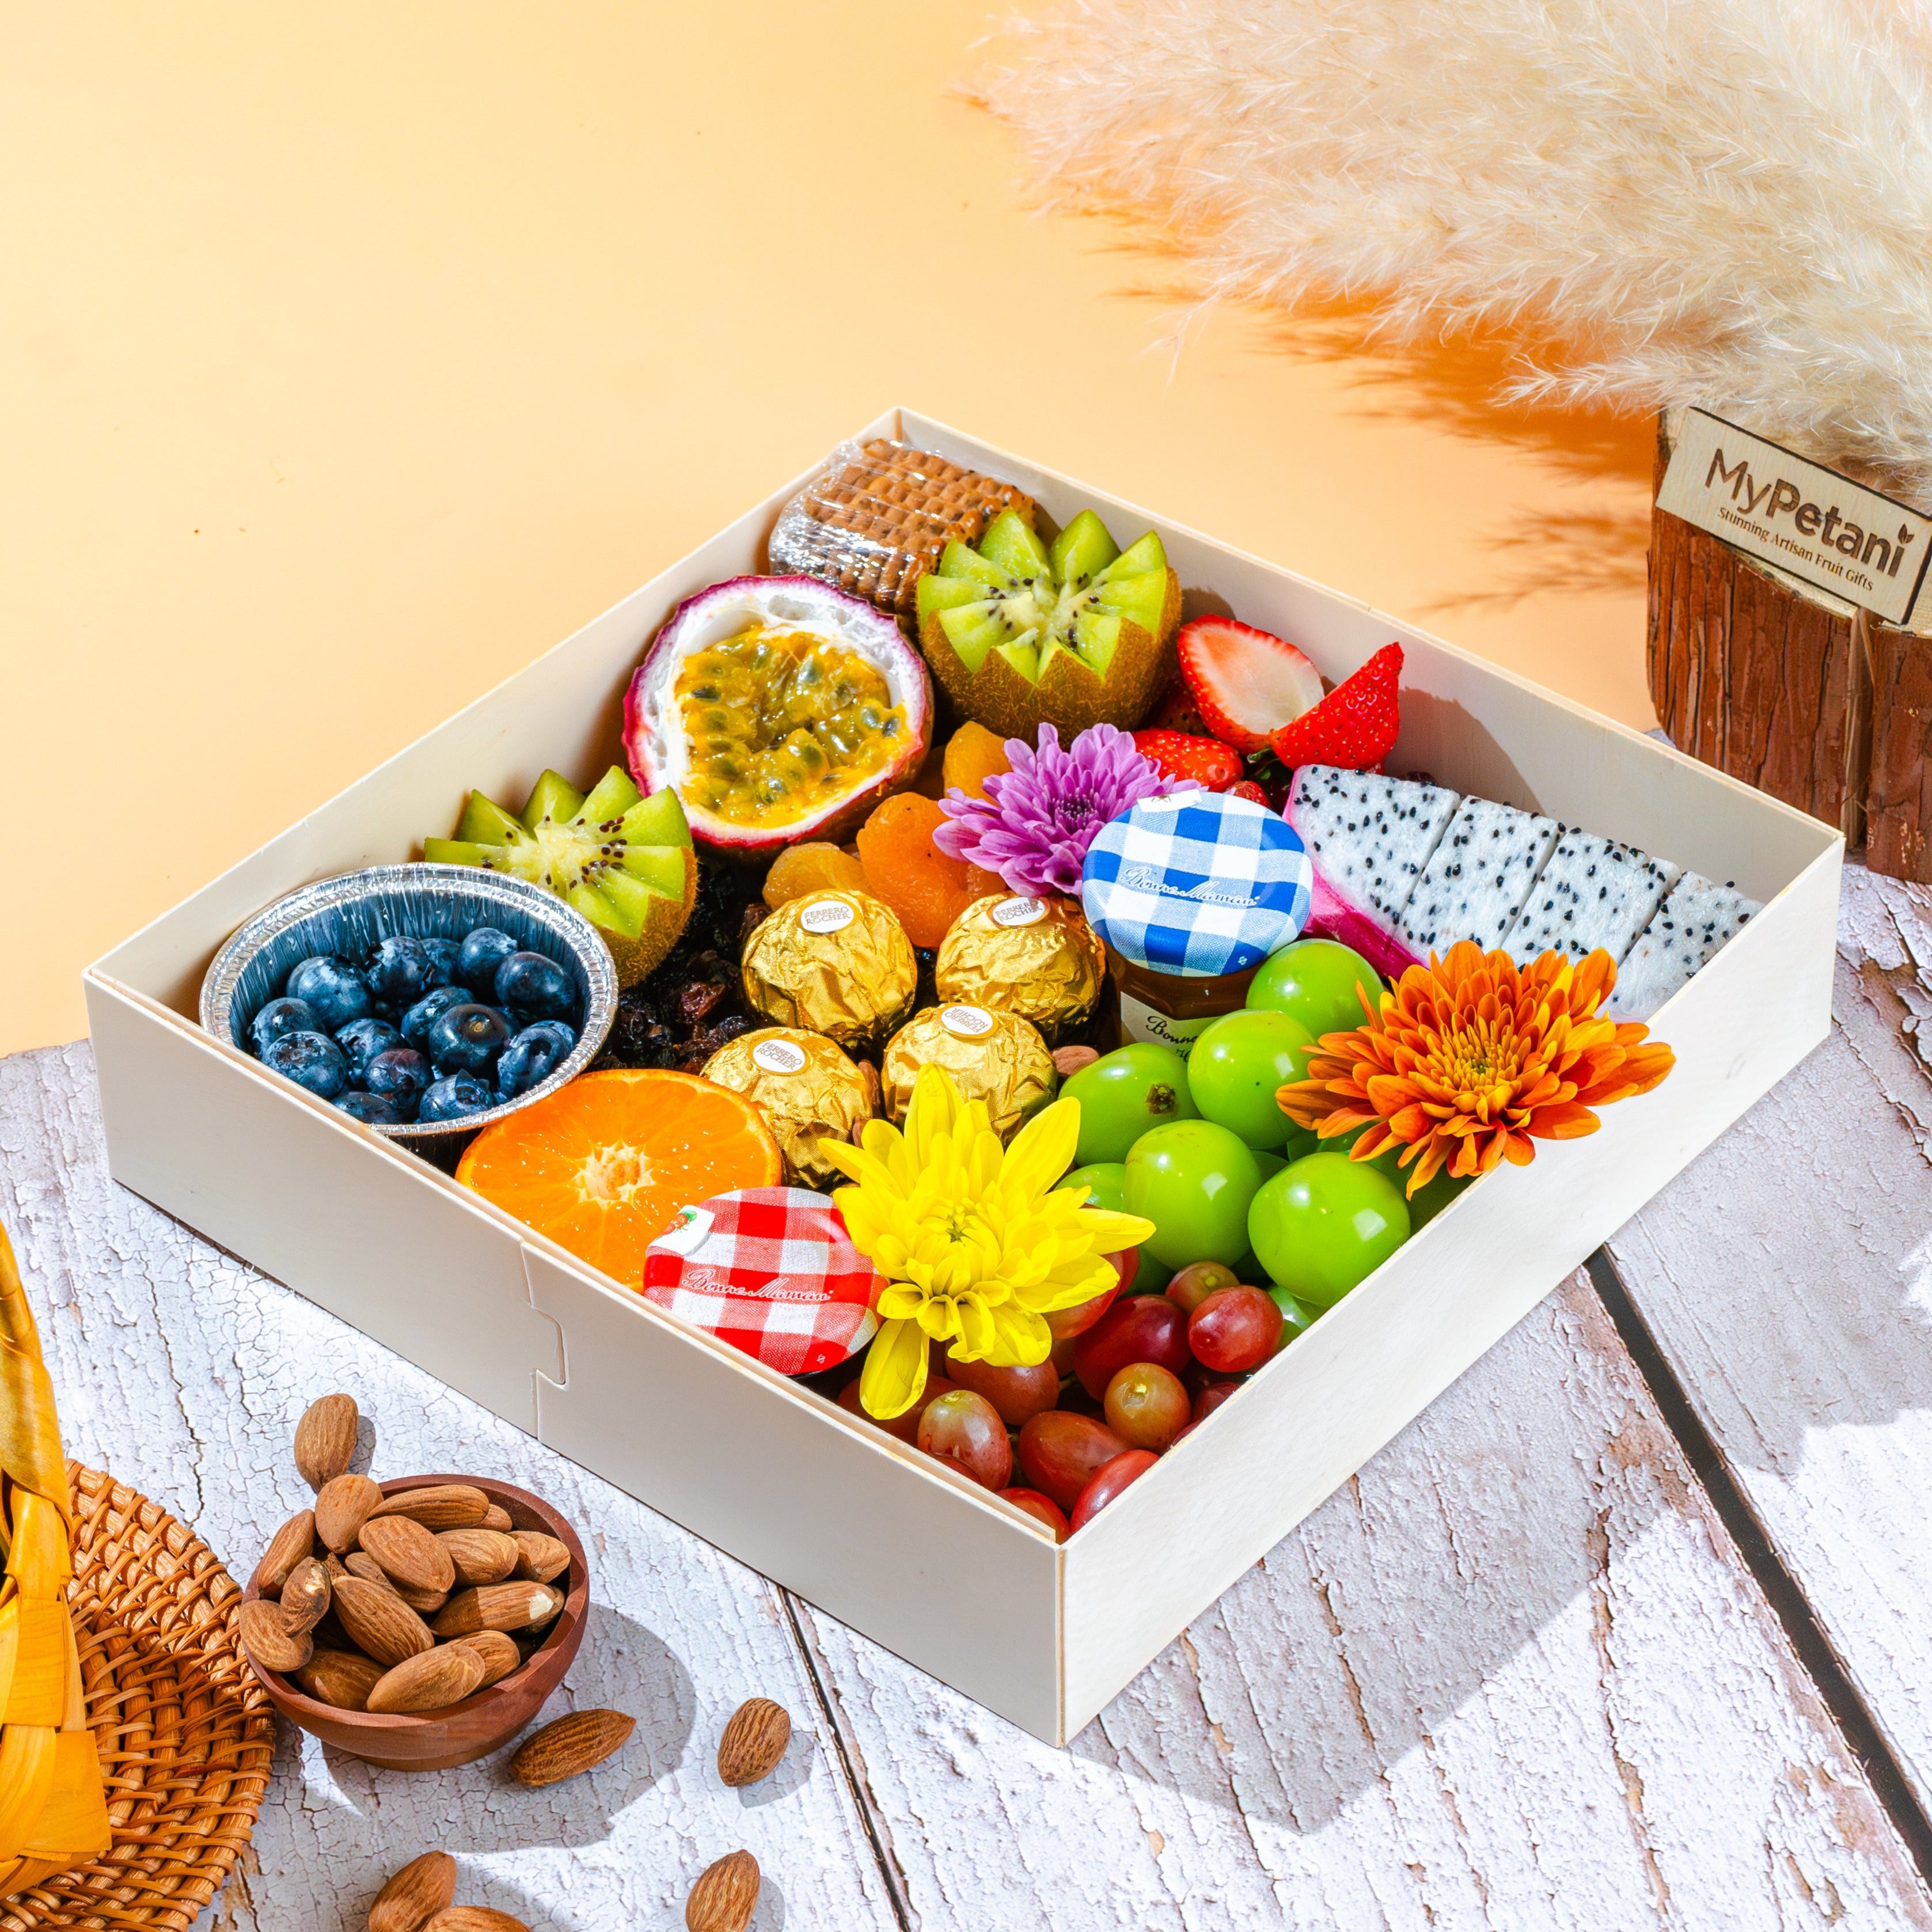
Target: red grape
[(1210, 1398), (1059, 1453), (1042, 1509), (1195, 1282), (1109, 1480), (965, 1428), (1234, 1330), (1082, 1316), (1147, 1405), (1143, 1328), (906, 1427), (1017, 1393)]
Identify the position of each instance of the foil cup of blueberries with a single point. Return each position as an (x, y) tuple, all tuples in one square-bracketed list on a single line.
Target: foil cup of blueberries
[(424, 1001)]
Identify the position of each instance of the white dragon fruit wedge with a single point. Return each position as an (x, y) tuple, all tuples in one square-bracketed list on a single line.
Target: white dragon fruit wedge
[(1478, 878), (1592, 892), (1690, 926)]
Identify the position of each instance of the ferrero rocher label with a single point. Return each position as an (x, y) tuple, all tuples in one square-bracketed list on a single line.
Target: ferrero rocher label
[(1035, 957), (837, 963), (804, 1086), (992, 1056)]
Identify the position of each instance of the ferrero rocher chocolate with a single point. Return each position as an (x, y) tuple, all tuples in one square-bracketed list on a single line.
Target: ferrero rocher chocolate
[(992, 1056), (1035, 957), (835, 962), (804, 1086)]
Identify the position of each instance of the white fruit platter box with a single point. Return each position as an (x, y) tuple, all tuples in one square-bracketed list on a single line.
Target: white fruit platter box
[(948, 1576)]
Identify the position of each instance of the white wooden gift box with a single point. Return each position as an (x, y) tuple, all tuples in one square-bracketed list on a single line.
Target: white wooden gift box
[(940, 1572)]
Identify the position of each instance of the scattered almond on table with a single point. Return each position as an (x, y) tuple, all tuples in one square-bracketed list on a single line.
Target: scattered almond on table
[(725, 1895), (754, 1739), (416, 1893), (326, 1438), (570, 1745)]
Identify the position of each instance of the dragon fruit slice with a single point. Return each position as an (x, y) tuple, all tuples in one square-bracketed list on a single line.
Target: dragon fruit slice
[(1370, 838), (1479, 877), (1698, 918), (1593, 891)]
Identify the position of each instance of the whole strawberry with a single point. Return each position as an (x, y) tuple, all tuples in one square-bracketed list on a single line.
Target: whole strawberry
[(1177, 711), (1247, 788), (1212, 765), (1355, 727)]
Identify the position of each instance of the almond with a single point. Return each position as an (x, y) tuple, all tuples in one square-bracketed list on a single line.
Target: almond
[(420, 1890), (439, 1506), (325, 1439), (572, 1743), (429, 1681), (378, 1621), (474, 1919), (267, 1638), (497, 1517), (499, 1607), (499, 1654), (334, 1565), (305, 1595), (290, 1544), (540, 1556), (408, 1554), (1068, 1060), (342, 1678), (342, 1507), (754, 1741), (425, 1603), (724, 1896), (480, 1556)]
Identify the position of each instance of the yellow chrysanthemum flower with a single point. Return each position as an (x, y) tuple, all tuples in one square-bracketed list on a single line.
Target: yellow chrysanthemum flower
[(975, 1246)]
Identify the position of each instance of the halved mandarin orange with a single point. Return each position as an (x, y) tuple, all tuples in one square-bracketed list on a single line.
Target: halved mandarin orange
[(603, 1165)]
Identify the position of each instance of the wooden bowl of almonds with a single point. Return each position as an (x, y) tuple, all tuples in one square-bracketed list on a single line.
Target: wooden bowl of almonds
[(419, 1623)]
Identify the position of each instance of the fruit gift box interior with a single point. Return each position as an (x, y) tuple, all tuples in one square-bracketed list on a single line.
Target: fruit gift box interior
[(1509, 816)]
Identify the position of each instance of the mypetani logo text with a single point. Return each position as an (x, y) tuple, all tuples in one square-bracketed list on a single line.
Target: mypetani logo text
[(1828, 529)]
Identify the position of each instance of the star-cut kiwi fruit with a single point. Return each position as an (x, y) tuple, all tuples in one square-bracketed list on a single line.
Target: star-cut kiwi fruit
[(1074, 633), (623, 860)]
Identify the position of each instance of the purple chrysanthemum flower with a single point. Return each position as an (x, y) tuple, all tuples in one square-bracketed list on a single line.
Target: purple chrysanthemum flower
[(1035, 827)]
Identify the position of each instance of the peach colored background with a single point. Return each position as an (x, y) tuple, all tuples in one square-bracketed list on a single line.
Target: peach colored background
[(353, 356)]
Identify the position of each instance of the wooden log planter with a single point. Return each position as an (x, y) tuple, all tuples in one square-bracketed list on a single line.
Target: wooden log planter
[(1793, 690)]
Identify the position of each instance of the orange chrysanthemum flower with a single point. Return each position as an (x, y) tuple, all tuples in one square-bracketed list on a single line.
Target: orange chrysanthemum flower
[(1471, 1058)]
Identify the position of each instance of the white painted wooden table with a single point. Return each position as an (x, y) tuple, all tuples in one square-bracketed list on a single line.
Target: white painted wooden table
[(1515, 1675)]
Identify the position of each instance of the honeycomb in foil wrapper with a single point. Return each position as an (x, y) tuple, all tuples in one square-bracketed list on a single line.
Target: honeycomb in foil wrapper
[(875, 521)]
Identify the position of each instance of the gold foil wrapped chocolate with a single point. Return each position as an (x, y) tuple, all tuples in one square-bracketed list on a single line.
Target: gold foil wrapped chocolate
[(1035, 957), (805, 1087), (992, 1056), (837, 963)]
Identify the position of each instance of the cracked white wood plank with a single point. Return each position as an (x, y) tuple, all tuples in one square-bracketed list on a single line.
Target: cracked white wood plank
[(1513, 1675), (182, 1371), (1787, 1276)]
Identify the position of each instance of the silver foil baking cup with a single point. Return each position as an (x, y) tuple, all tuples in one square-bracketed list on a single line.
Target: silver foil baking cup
[(350, 914)]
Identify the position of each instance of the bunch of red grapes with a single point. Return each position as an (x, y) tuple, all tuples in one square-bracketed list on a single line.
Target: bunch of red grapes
[(1127, 1379)]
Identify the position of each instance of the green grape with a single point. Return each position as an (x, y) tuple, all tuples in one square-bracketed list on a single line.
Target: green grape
[(1124, 1093), (1106, 1183), (1324, 1223), (1314, 981), (1194, 1181), (1297, 1318), (1238, 1062)]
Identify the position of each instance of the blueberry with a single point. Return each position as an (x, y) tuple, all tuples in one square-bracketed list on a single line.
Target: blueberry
[(450, 1098), (301, 966), (421, 1017), (400, 972), (362, 1040), (371, 1108), (467, 1040), (531, 1056), (537, 984), (311, 1060), (444, 955), (277, 1017), (333, 987), (400, 1075), (483, 951)]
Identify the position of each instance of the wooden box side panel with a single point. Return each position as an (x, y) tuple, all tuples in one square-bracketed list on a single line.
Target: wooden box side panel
[(317, 1201), (842, 1516), (1226, 1497)]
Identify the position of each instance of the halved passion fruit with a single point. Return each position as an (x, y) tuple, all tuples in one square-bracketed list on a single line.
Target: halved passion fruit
[(778, 709)]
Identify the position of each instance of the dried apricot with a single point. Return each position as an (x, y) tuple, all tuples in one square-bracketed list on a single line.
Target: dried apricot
[(973, 755), (926, 889), (812, 867)]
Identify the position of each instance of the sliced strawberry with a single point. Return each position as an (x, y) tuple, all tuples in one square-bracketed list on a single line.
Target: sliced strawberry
[(1212, 765), (1355, 725), (1246, 683), (1247, 788), (1177, 710)]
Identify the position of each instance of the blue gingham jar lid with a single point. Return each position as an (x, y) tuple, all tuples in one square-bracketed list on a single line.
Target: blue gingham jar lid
[(1197, 883)]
